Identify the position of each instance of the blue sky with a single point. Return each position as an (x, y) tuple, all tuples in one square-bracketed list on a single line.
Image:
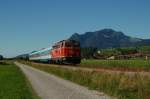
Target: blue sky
[(27, 25)]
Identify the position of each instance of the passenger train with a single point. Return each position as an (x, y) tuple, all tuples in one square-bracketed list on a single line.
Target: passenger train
[(63, 52)]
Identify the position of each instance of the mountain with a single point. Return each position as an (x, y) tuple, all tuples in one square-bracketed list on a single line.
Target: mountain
[(108, 38)]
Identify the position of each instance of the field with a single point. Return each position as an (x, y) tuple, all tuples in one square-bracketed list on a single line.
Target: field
[(13, 84), (122, 86), (118, 64)]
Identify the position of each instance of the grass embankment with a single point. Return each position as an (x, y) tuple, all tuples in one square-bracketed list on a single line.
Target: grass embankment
[(118, 64), (13, 84), (122, 86)]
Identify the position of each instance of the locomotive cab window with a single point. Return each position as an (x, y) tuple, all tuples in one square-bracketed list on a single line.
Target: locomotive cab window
[(68, 44), (76, 44), (62, 44)]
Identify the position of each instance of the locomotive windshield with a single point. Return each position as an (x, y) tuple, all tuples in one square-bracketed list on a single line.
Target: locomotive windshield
[(66, 43), (72, 44)]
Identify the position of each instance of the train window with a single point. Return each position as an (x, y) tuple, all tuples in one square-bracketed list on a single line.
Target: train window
[(68, 44), (55, 46), (48, 52), (62, 44), (76, 44), (58, 45)]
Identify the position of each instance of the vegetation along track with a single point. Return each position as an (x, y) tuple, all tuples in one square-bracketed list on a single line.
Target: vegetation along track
[(97, 69)]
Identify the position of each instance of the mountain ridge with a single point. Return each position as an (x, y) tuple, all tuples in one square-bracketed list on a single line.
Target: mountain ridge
[(108, 38)]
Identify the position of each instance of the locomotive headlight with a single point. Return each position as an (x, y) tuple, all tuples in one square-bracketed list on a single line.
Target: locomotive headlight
[(64, 58)]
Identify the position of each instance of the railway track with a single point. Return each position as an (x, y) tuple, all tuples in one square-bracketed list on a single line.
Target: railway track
[(106, 70)]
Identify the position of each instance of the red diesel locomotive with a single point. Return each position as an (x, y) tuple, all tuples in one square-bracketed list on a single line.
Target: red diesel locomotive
[(66, 51), (63, 52)]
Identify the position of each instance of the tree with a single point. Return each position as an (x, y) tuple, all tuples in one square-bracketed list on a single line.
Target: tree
[(144, 49), (1, 57), (88, 52), (110, 52), (128, 50)]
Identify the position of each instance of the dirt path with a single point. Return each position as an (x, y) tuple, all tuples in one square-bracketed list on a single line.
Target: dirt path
[(51, 87)]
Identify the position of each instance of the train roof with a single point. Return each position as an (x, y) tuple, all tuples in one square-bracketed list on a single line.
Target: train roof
[(40, 51), (68, 40)]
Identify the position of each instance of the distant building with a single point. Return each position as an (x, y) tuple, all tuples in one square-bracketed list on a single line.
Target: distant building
[(111, 58)]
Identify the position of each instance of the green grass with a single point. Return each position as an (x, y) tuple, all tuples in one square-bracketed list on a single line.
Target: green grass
[(13, 84), (124, 64), (120, 85)]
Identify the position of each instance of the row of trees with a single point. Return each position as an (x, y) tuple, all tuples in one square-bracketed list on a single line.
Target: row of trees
[(88, 52), (1, 57), (23, 57), (127, 50), (105, 53)]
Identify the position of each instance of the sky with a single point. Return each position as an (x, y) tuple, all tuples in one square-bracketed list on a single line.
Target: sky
[(28, 25)]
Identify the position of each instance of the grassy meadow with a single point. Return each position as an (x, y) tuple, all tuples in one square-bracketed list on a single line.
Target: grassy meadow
[(122, 86), (13, 84), (120, 64)]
